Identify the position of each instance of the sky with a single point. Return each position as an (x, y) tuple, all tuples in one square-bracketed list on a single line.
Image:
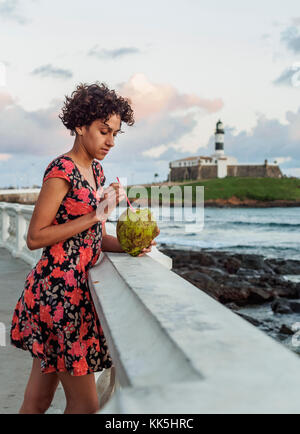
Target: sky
[(184, 64)]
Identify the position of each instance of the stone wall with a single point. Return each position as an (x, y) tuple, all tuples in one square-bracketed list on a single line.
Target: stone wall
[(254, 171), (178, 174), (194, 173)]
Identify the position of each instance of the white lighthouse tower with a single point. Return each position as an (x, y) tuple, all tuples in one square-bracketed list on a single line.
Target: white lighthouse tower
[(219, 140)]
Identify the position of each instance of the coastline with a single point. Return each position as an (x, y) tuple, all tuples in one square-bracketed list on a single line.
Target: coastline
[(232, 202)]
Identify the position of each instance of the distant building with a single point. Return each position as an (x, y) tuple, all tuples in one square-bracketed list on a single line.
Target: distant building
[(218, 165)]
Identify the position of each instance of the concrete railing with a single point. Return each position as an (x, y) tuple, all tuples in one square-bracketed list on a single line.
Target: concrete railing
[(175, 349)]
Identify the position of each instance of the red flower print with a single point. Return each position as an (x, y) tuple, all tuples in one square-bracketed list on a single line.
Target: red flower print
[(93, 341), (41, 264), (45, 315), (74, 207), (30, 279), (15, 334), (81, 367), (75, 296), (59, 313), (68, 166), (37, 348), (57, 272), (56, 172), (69, 278), (86, 254), (27, 330), (29, 298), (84, 329), (82, 194), (78, 349), (61, 366), (58, 253)]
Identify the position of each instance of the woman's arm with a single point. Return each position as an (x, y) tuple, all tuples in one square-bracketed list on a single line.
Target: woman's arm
[(41, 231), (110, 243)]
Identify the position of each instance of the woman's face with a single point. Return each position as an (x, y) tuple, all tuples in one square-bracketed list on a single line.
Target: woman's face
[(99, 137)]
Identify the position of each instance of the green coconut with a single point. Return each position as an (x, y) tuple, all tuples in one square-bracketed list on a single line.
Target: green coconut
[(135, 230)]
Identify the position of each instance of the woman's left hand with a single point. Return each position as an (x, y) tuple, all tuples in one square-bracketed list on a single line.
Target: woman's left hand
[(148, 249)]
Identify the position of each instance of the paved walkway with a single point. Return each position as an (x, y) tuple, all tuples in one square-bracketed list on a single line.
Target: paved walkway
[(15, 364)]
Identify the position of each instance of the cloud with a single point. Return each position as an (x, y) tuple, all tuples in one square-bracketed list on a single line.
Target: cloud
[(296, 21), (112, 54), (153, 98), (291, 38), (176, 126), (10, 11), (294, 171), (290, 77), (5, 100), (5, 157), (282, 160), (268, 139), (50, 71), (39, 132)]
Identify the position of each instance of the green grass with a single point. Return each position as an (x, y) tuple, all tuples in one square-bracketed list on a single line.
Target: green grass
[(265, 189)]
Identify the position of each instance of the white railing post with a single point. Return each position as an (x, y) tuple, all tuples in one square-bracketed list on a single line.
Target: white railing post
[(4, 225)]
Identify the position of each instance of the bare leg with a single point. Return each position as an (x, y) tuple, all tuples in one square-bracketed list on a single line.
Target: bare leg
[(81, 393), (39, 391)]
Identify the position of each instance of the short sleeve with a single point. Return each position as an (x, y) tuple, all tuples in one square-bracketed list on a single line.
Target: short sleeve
[(59, 168)]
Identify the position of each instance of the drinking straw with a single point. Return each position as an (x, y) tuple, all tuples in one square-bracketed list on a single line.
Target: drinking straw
[(126, 196)]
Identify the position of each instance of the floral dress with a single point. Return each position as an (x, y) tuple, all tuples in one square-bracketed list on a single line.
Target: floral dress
[(55, 318)]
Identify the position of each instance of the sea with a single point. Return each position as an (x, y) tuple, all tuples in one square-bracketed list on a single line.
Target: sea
[(271, 232)]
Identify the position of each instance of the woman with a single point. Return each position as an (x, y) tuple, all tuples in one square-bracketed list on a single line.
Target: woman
[(55, 318)]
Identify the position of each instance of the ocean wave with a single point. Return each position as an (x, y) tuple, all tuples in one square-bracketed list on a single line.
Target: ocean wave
[(264, 224)]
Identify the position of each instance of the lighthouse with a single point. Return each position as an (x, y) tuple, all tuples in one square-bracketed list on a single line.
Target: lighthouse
[(219, 140)]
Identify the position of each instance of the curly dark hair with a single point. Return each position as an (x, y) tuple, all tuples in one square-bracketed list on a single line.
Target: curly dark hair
[(95, 101)]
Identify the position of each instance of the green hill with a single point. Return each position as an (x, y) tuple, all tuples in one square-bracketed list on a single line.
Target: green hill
[(262, 189)]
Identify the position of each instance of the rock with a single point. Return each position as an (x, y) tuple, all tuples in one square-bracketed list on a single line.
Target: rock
[(215, 273), (205, 281), (255, 262), (281, 306), (232, 306), (259, 295), (286, 330), (232, 265), (204, 259), (248, 318), (232, 293), (284, 266), (248, 272)]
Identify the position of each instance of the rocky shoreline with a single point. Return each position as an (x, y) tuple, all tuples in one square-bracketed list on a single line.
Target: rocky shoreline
[(232, 202), (254, 287)]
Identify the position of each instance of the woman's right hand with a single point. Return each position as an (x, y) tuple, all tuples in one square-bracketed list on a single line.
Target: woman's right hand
[(109, 199)]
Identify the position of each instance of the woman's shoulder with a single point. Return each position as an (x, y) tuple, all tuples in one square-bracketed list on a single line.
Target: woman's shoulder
[(60, 167)]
